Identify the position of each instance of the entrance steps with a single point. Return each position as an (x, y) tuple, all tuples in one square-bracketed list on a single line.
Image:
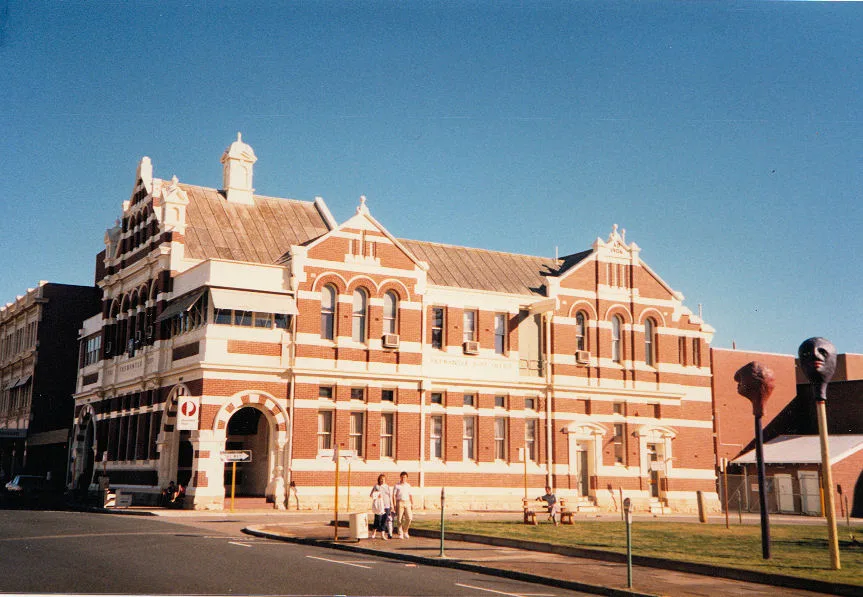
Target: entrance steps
[(657, 506), (582, 504)]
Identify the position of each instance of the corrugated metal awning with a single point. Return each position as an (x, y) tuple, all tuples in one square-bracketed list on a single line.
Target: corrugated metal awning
[(262, 302), (22, 381), (181, 305)]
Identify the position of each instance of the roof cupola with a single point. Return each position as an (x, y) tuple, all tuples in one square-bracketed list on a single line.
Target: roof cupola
[(237, 162)]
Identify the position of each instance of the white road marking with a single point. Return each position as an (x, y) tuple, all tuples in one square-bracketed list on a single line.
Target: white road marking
[(338, 562), (240, 544), (458, 584)]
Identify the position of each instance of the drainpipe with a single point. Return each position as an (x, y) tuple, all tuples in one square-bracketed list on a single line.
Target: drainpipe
[(549, 456), (423, 389), (291, 393)]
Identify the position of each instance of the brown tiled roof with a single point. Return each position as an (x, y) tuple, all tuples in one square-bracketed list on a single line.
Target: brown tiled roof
[(259, 233), (480, 269)]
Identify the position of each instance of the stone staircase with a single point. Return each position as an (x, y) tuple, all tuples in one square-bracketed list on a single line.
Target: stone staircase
[(657, 506), (581, 504)]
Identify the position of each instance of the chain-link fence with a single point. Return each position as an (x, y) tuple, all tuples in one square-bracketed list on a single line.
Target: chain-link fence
[(786, 494)]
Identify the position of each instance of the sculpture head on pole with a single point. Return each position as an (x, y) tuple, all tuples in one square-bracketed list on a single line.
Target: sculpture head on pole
[(755, 381), (818, 362)]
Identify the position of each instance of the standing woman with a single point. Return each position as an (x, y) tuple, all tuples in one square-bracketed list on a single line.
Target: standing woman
[(381, 495)]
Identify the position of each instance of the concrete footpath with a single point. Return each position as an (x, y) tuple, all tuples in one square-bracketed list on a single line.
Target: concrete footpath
[(552, 569)]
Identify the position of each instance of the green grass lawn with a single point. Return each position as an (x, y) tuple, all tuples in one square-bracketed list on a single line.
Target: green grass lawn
[(796, 550)]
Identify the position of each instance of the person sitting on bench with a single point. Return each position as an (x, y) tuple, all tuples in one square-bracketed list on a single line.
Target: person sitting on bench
[(551, 504)]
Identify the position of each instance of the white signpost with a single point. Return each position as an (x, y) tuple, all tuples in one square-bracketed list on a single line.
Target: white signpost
[(235, 456), (188, 413)]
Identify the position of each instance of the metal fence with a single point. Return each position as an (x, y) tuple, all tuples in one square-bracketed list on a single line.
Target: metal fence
[(786, 494)]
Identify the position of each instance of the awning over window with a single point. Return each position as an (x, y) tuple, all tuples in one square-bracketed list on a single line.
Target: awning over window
[(22, 381), (263, 302), (181, 305), (11, 383)]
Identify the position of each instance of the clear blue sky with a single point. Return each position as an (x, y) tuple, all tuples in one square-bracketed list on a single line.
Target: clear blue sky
[(726, 137)]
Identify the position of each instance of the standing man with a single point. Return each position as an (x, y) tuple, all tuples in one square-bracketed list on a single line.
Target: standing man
[(403, 496)]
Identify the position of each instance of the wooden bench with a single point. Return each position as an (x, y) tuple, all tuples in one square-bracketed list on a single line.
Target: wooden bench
[(529, 513), (565, 513)]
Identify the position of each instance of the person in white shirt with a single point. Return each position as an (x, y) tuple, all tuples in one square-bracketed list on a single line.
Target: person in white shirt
[(404, 499), (381, 503)]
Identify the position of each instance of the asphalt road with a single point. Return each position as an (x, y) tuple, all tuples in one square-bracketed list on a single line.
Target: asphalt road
[(74, 552)]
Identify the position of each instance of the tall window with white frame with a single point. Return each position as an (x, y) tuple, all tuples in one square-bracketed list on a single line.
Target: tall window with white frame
[(355, 434), (681, 350), (391, 303), (469, 438), (436, 438), (325, 430), (360, 312), (328, 312), (388, 428), (616, 344), (619, 443), (530, 439), (696, 352), (500, 333), (469, 331), (437, 327), (580, 325), (500, 438), (649, 342)]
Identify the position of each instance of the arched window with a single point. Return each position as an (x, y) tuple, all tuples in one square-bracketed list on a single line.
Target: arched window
[(580, 329), (649, 342), (616, 348), (328, 312), (391, 303), (358, 321)]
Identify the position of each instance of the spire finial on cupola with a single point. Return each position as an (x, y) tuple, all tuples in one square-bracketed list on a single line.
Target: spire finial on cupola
[(237, 162), (361, 208)]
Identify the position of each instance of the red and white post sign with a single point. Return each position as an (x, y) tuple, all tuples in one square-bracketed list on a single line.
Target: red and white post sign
[(188, 413)]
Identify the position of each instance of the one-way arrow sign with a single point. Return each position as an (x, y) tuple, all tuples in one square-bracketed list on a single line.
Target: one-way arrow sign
[(237, 456)]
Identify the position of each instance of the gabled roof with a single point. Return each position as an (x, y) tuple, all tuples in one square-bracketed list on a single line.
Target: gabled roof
[(481, 269), (259, 233), (805, 449)]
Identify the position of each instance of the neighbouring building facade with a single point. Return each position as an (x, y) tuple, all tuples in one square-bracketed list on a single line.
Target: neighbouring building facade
[(234, 321), (792, 452), (38, 369)]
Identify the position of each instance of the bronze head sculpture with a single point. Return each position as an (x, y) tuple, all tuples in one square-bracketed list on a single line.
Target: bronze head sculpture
[(755, 381), (818, 362)]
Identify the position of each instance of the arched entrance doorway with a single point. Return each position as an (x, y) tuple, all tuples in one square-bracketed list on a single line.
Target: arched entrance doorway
[(249, 429)]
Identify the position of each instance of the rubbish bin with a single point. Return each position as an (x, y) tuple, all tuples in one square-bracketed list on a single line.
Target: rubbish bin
[(358, 526)]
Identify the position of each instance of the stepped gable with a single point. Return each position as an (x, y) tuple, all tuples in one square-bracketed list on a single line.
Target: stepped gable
[(481, 269), (259, 233)]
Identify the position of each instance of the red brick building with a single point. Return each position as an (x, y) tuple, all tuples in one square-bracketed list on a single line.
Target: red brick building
[(237, 321), (792, 451)]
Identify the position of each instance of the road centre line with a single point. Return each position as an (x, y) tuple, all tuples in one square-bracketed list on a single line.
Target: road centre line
[(338, 562), (240, 544), (458, 584)]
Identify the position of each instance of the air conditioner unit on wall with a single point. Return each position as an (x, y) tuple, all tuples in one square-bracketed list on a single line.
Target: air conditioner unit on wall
[(390, 341), (471, 347), (582, 357)]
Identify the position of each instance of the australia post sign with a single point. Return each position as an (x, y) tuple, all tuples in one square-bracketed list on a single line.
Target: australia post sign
[(188, 413)]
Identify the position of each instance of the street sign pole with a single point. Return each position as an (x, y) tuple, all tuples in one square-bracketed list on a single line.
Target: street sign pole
[(336, 504), (233, 482)]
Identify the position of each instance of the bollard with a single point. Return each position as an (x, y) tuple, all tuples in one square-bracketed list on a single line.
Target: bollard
[(442, 506), (627, 509), (702, 507)]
